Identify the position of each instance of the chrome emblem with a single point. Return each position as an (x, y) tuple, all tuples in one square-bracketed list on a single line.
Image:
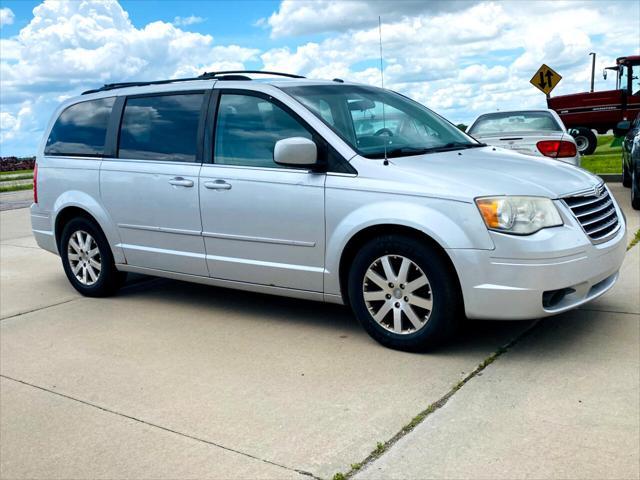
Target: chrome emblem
[(598, 190)]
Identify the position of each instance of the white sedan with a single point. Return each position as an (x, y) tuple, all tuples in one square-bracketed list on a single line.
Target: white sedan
[(531, 132)]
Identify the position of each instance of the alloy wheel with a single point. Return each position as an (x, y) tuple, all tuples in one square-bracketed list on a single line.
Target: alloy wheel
[(397, 294), (84, 257)]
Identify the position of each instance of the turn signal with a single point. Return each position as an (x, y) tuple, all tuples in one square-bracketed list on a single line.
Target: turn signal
[(489, 211)]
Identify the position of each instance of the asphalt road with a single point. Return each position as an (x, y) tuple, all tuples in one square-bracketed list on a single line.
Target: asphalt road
[(13, 200), (176, 380)]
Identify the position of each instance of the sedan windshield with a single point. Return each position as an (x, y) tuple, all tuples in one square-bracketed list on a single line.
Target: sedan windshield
[(377, 122), (514, 122)]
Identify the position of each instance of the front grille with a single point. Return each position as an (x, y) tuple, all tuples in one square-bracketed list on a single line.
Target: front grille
[(595, 213)]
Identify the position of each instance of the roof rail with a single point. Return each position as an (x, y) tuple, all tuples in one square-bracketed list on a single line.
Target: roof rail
[(264, 72), (234, 74)]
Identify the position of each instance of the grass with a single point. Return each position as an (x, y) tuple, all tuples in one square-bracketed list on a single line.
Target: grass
[(16, 188), (635, 240), (19, 176), (606, 159), (16, 172), (382, 447)]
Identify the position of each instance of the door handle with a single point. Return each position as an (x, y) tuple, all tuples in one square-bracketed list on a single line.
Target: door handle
[(181, 182), (217, 185)]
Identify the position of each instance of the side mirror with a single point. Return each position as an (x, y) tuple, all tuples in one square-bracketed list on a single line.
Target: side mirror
[(295, 152), (622, 128)]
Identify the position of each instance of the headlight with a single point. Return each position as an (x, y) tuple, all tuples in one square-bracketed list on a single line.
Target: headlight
[(518, 215)]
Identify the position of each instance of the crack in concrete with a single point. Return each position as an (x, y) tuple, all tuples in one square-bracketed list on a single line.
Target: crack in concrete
[(155, 425), (127, 288), (382, 448), (18, 246), (26, 312)]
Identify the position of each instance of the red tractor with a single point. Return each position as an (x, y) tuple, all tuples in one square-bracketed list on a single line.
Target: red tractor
[(601, 111)]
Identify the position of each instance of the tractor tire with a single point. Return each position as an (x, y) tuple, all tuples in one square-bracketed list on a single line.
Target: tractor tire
[(585, 139)]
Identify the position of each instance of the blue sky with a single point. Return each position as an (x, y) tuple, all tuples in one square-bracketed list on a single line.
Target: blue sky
[(460, 58)]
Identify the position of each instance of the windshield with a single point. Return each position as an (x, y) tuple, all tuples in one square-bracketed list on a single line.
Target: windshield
[(514, 122), (372, 120)]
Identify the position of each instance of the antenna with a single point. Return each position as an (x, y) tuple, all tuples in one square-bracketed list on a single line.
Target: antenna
[(384, 123)]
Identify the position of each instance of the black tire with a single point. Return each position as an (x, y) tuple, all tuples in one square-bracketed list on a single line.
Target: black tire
[(626, 177), (585, 139), (109, 279), (635, 189), (443, 289)]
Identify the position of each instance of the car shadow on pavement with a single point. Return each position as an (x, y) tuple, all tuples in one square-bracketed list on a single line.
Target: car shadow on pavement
[(252, 304), (471, 335)]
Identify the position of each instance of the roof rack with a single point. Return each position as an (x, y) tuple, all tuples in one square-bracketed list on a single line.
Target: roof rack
[(231, 74)]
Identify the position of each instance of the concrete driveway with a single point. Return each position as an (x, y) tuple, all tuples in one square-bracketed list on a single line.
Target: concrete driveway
[(176, 380)]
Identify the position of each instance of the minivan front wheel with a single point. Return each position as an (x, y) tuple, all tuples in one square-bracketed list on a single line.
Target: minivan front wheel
[(404, 293), (87, 259)]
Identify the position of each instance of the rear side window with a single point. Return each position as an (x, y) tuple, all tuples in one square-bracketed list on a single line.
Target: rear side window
[(81, 129), (161, 127)]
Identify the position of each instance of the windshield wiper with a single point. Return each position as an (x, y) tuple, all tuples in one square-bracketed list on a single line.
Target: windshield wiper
[(456, 146), (407, 151)]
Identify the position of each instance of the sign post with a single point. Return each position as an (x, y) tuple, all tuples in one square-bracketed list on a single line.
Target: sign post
[(545, 79)]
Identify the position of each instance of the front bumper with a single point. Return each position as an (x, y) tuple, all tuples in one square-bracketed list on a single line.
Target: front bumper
[(535, 276)]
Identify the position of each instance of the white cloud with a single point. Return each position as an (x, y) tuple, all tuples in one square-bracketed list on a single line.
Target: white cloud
[(477, 73), (70, 46), (302, 18), (15, 126), (6, 16), (7, 121), (185, 21), (459, 58)]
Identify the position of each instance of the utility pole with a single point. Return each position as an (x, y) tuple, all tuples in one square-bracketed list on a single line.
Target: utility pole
[(593, 69)]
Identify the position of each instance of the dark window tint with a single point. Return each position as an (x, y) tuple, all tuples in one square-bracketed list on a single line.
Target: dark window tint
[(248, 128), (163, 127), (81, 129)]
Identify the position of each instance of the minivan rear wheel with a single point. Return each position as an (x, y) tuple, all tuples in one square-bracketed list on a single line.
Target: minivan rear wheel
[(404, 293), (87, 259)]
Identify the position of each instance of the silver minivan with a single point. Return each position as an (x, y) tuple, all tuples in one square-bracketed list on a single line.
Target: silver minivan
[(321, 190)]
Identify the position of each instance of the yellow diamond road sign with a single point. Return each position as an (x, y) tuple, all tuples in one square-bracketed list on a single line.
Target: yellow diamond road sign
[(545, 79)]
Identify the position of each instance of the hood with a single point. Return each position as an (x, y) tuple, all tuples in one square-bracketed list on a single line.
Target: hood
[(466, 174)]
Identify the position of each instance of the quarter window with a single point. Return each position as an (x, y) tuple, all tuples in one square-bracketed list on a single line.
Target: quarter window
[(81, 129), (161, 127), (248, 128)]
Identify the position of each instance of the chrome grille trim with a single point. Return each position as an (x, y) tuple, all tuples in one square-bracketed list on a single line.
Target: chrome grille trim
[(585, 202), (594, 210), (604, 216), (596, 214)]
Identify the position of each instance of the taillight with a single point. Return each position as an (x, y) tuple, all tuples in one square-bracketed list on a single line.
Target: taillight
[(35, 183), (557, 148)]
